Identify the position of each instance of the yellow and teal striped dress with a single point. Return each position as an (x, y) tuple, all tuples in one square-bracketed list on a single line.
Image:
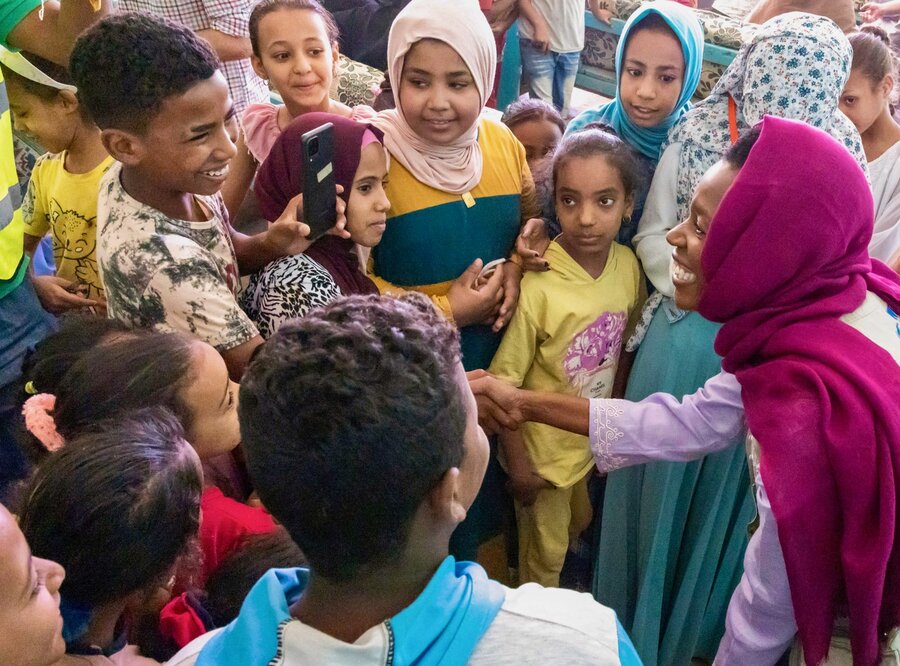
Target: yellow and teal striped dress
[(433, 236)]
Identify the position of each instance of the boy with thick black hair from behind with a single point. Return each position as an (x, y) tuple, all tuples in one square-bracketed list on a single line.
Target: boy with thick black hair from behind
[(362, 439), (167, 254)]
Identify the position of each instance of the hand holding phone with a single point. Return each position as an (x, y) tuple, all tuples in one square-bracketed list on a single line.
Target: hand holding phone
[(472, 303), (489, 268), (288, 235), (487, 271), (319, 198)]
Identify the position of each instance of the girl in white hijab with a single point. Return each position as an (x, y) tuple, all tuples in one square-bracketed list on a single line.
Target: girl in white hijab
[(459, 183), (459, 186)]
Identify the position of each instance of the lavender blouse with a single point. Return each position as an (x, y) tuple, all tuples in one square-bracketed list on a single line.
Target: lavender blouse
[(760, 626)]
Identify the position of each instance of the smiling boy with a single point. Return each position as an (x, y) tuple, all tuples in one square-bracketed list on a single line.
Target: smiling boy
[(167, 254)]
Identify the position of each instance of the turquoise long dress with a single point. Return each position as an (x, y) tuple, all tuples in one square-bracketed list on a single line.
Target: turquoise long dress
[(673, 535)]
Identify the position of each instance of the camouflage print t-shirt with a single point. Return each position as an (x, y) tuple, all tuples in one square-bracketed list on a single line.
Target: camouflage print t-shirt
[(168, 274)]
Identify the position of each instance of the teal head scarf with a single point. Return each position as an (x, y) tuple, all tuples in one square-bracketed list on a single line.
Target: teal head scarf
[(647, 140)]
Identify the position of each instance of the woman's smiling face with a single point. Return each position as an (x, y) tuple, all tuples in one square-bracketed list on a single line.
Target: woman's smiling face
[(689, 237)]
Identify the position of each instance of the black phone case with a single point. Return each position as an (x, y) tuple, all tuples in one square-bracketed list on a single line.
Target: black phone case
[(319, 197)]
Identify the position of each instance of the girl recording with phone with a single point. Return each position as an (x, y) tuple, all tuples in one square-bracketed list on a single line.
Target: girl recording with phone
[(289, 287)]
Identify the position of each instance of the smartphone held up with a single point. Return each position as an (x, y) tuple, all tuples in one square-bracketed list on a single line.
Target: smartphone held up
[(319, 193)]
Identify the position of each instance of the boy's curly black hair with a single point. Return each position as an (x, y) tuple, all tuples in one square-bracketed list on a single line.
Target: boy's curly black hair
[(126, 65), (349, 417)]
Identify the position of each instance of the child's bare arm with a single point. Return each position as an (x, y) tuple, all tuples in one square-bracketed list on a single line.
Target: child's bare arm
[(227, 47), (51, 29), (285, 236), (541, 37), (602, 10), (533, 240), (872, 11), (237, 358), (56, 294), (531, 244), (512, 278), (524, 481), (31, 243)]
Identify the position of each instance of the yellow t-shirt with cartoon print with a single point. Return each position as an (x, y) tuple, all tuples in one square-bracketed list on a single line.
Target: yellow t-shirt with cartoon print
[(566, 336), (65, 205)]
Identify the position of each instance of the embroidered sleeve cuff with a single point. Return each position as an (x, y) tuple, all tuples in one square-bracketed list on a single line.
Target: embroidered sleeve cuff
[(605, 433)]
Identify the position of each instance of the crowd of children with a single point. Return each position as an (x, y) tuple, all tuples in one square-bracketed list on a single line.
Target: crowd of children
[(230, 448)]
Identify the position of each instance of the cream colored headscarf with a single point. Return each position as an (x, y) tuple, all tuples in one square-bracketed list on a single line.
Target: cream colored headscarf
[(460, 24)]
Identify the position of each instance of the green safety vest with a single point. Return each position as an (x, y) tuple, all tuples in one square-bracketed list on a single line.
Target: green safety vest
[(12, 259)]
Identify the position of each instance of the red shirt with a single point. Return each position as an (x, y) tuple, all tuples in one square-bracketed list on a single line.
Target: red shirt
[(224, 522)]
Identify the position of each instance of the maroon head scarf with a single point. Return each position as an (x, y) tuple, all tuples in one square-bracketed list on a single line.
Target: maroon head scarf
[(785, 257), (280, 178)]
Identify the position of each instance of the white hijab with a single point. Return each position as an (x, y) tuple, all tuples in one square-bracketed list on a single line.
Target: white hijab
[(460, 24)]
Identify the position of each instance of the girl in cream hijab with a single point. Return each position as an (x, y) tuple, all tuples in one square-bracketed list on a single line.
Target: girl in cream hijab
[(459, 184)]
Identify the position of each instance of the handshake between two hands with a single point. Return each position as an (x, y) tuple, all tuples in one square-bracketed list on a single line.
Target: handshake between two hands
[(500, 405)]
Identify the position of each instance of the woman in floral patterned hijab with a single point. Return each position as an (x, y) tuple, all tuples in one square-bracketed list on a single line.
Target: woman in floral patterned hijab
[(795, 67)]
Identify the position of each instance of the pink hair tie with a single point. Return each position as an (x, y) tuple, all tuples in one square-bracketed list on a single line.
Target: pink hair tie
[(39, 422)]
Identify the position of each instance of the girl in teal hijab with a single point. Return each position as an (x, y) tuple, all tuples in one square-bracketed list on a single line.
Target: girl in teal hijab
[(658, 64)]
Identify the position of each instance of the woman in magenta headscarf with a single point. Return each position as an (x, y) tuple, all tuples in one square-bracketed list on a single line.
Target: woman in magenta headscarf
[(774, 248), (808, 332)]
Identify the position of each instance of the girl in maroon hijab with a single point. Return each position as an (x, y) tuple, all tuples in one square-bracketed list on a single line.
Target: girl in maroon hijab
[(289, 287)]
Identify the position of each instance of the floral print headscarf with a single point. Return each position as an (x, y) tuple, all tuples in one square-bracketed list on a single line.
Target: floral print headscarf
[(795, 67)]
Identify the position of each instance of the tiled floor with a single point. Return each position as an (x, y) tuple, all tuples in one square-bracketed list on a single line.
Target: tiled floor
[(584, 99)]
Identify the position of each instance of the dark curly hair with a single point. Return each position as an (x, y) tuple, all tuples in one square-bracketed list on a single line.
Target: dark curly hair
[(349, 417), (739, 152), (126, 65), (116, 507)]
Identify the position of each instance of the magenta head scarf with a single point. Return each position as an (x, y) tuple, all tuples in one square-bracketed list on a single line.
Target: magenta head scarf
[(784, 259), (280, 178)]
